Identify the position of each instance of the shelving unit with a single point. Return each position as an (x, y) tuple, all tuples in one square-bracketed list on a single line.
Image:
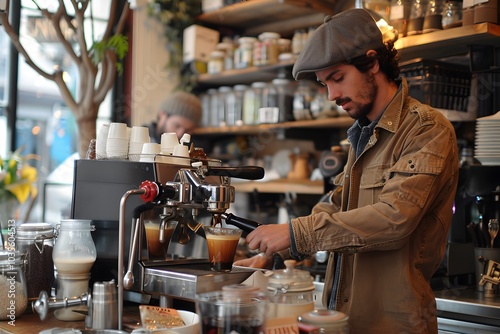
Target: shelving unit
[(283, 16), (333, 123), (250, 18)]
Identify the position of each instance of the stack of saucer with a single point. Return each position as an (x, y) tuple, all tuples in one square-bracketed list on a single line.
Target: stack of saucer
[(117, 142), (139, 135), (488, 140)]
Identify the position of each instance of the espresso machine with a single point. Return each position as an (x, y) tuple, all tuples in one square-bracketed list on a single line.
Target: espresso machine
[(117, 195)]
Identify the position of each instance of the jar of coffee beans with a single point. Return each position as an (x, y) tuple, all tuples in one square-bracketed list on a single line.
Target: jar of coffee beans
[(36, 241), (13, 299)]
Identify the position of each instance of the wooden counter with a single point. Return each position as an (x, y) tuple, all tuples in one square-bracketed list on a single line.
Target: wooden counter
[(30, 323)]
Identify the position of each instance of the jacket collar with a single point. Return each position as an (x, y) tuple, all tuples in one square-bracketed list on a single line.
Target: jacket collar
[(391, 118)]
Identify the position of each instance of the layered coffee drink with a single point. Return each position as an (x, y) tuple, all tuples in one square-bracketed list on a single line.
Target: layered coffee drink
[(156, 249), (222, 244)]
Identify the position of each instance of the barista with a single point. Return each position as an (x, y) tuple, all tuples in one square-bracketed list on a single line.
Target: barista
[(387, 222), (179, 113)]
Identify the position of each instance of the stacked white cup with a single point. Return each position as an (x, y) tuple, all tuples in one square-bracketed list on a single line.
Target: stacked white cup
[(117, 142), (149, 152), (101, 141), (168, 142), (139, 135)]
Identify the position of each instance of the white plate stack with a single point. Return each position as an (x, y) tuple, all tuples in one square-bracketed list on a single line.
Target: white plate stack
[(488, 140)]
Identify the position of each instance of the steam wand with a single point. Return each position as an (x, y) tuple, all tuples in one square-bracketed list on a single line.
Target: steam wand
[(121, 241)]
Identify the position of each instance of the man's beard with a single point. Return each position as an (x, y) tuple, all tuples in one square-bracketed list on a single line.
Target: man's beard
[(368, 92)]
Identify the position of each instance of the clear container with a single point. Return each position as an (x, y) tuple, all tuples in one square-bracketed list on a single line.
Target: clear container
[(231, 312), (213, 107), (269, 48), (326, 321), (36, 241), (225, 96), (417, 15), (284, 91), (228, 49), (239, 94), (302, 101), (216, 62), (290, 292), (74, 250), (243, 55), (13, 290), (252, 101)]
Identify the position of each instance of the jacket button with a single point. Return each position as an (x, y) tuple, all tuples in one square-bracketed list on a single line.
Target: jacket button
[(346, 300)]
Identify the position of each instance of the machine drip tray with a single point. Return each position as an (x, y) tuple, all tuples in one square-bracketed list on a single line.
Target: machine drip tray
[(184, 281)]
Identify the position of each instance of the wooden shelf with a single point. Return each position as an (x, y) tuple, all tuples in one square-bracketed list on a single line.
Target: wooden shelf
[(449, 42), (335, 123), (282, 16), (306, 187), (246, 75)]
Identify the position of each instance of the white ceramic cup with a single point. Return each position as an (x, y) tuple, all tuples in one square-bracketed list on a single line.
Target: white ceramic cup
[(168, 142), (151, 148), (139, 134), (118, 130)]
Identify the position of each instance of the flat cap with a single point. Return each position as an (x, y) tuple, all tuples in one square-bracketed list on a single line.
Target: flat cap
[(340, 38)]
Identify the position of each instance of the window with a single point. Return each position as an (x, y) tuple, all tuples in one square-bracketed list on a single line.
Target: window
[(44, 125)]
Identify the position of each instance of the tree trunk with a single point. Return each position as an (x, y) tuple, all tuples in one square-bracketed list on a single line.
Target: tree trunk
[(86, 129)]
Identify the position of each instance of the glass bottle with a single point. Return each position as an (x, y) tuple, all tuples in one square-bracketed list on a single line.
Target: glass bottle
[(269, 48), (74, 250), (214, 107), (13, 289), (302, 101), (36, 241), (284, 92), (433, 16), (224, 94), (258, 88), (243, 55), (417, 15), (239, 93)]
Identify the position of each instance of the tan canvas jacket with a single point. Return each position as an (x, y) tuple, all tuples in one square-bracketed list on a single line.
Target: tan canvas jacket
[(389, 218)]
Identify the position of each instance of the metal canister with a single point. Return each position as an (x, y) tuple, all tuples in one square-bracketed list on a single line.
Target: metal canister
[(36, 241)]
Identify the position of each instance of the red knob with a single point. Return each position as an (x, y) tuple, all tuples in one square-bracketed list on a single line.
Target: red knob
[(151, 189)]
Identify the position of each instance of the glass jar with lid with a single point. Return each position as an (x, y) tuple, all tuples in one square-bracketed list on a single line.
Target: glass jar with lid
[(13, 289), (36, 241), (291, 291), (74, 250), (216, 62), (326, 321), (269, 48), (243, 55)]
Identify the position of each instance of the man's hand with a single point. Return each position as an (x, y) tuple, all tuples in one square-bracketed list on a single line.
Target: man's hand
[(269, 239), (258, 261)]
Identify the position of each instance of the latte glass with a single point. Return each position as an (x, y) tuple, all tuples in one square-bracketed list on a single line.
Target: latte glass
[(222, 244)]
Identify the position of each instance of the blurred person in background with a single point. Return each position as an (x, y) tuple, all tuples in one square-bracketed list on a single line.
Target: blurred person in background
[(179, 113)]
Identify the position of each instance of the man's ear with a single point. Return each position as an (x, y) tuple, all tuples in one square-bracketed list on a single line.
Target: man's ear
[(372, 54)]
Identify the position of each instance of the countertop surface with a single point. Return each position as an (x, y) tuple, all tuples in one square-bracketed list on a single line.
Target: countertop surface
[(30, 323)]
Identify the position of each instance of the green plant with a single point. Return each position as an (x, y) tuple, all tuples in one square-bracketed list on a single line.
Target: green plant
[(117, 44)]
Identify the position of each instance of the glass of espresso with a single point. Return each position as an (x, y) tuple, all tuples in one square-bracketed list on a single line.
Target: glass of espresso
[(157, 250), (222, 244)]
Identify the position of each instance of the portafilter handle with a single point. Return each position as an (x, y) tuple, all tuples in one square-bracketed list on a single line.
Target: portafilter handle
[(244, 224), (244, 172)]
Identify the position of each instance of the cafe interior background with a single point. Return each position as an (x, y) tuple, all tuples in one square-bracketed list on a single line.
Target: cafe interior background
[(44, 126)]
